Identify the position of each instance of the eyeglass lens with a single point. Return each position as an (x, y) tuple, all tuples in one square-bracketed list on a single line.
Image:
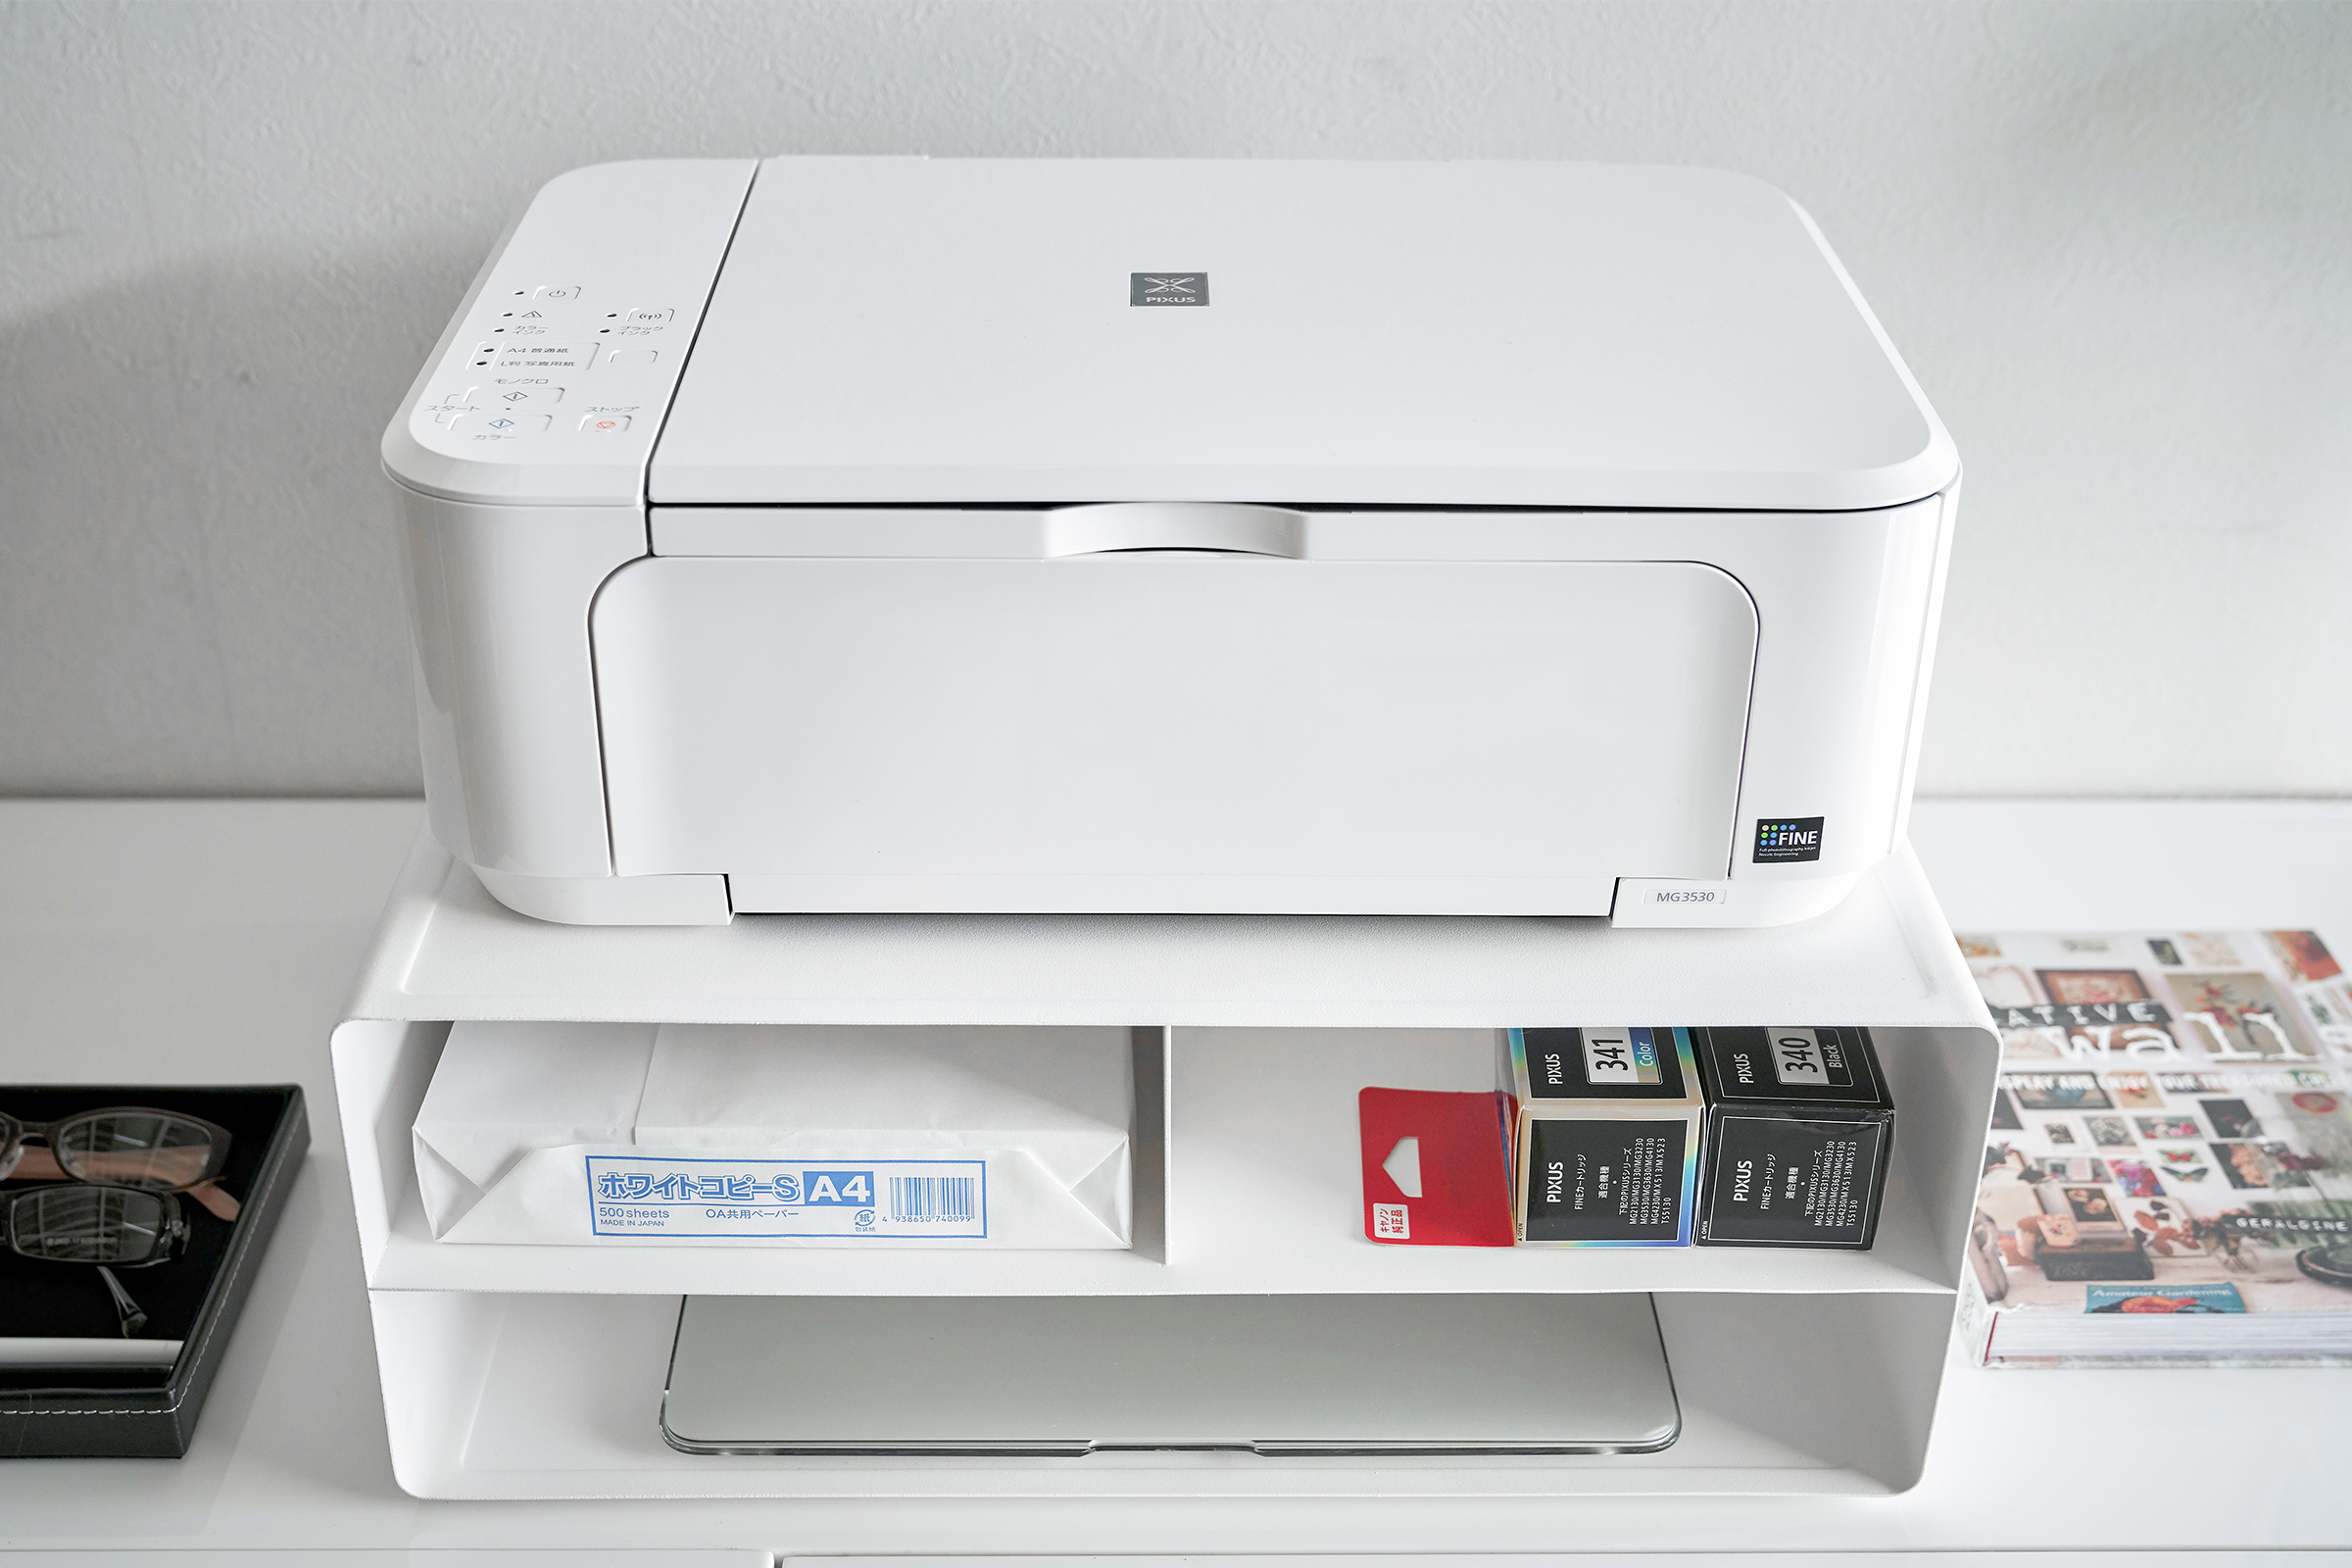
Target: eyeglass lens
[(133, 1149), (87, 1224)]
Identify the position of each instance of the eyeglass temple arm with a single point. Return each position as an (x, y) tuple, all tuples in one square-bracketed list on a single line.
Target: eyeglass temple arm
[(133, 1317), (38, 1164)]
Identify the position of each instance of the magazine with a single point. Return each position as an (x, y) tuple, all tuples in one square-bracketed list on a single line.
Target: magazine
[(2169, 1172)]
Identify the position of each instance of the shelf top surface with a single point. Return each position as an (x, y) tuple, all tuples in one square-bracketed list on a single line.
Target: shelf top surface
[(447, 950)]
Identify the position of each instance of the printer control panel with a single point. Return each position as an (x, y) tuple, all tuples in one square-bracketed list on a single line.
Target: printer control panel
[(551, 358), (554, 379)]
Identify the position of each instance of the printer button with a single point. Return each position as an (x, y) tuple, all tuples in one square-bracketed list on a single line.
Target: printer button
[(510, 398), (650, 317), (550, 291), (605, 423), (631, 359), (498, 424)]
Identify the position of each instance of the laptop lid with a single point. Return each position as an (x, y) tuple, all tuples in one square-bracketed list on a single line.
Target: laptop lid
[(1073, 1375)]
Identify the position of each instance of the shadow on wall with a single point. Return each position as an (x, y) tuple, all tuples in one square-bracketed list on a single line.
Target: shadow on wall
[(198, 565)]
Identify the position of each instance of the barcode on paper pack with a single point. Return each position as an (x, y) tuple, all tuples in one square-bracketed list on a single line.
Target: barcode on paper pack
[(702, 1198), (932, 1199)]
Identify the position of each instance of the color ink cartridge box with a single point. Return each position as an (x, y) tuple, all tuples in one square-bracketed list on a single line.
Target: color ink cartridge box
[(1605, 1134), (1799, 1127)]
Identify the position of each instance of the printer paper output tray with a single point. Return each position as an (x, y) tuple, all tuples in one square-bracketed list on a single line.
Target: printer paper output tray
[(1172, 733)]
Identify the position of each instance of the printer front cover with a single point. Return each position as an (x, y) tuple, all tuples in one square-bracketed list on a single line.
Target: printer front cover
[(969, 330)]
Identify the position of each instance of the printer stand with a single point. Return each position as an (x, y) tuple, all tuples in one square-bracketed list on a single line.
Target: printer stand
[(522, 1371)]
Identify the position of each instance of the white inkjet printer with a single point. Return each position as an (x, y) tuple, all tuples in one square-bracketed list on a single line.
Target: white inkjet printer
[(905, 534)]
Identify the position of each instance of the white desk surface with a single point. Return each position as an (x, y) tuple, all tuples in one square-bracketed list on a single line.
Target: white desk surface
[(198, 941)]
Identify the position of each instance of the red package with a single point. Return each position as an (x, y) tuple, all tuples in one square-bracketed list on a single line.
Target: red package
[(1436, 1167)]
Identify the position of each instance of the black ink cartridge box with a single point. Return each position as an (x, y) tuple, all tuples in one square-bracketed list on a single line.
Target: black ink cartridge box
[(1607, 1128), (1799, 1127)]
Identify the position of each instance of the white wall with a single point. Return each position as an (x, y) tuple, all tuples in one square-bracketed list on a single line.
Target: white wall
[(2114, 241)]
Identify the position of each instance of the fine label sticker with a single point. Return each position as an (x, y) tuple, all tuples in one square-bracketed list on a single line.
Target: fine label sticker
[(647, 1194), (1784, 838)]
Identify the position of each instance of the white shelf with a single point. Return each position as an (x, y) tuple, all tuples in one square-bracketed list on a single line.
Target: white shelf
[(494, 1405), (1262, 1187), (1800, 1371)]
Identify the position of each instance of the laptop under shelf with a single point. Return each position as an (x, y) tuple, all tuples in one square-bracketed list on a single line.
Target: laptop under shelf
[(1357, 1373)]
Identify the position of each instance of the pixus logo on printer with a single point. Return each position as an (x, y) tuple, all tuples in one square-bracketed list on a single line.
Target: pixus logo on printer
[(1167, 288), (1507, 539)]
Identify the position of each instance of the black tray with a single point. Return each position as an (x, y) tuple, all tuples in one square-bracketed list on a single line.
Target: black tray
[(145, 1412)]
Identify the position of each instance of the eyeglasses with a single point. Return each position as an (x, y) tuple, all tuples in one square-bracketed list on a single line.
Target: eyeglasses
[(126, 1146), (108, 1227)]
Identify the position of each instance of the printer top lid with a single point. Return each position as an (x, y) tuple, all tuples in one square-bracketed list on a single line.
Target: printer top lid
[(969, 330)]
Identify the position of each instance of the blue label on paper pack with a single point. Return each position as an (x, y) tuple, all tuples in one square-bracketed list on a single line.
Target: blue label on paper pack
[(2163, 1300), (643, 1194)]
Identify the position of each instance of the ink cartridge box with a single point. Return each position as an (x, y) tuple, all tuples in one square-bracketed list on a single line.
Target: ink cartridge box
[(1799, 1128), (1607, 1128)]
